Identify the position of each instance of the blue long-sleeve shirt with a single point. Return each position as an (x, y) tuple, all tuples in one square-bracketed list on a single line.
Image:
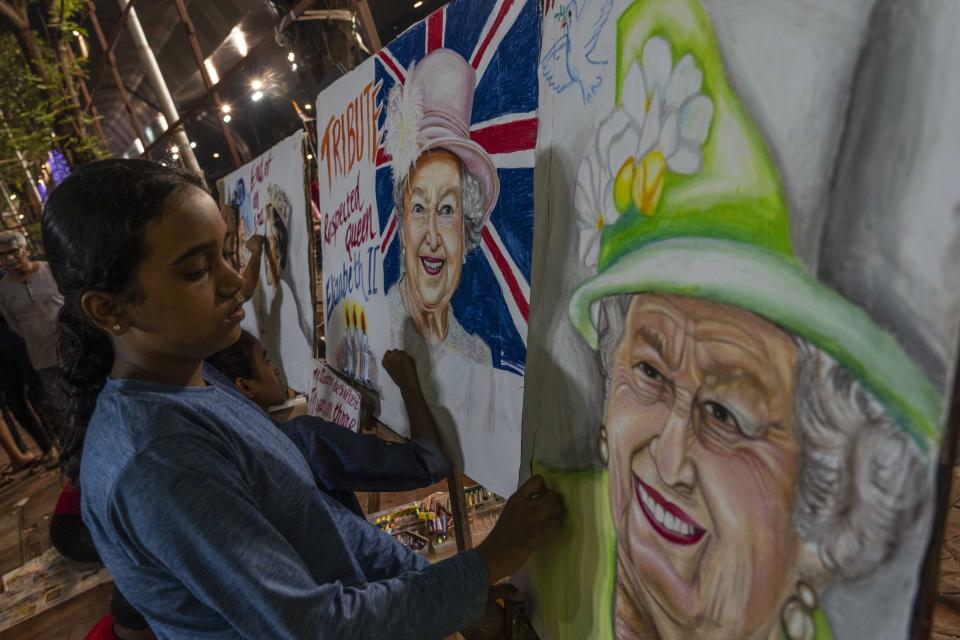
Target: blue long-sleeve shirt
[(211, 524), (343, 461)]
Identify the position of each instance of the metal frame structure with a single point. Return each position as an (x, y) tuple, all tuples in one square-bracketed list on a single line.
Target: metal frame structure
[(108, 44)]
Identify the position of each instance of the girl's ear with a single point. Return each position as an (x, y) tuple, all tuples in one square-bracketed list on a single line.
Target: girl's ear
[(243, 386), (105, 311)]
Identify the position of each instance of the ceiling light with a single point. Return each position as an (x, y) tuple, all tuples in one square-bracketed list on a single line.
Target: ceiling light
[(418, 4), (20, 216), (215, 155), (162, 163), (309, 156), (13, 196), (256, 85), (290, 56), (193, 145), (76, 34), (293, 67), (225, 108), (174, 148), (211, 71), (308, 106), (256, 95), (239, 41), (227, 118)]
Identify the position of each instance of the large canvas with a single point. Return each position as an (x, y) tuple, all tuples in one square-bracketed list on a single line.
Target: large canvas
[(267, 197), (743, 327), (426, 155)]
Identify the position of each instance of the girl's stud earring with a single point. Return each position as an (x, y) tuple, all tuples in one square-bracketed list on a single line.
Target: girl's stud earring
[(116, 328)]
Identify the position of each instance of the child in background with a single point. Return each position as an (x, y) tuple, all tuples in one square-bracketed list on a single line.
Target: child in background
[(342, 461), (207, 517)]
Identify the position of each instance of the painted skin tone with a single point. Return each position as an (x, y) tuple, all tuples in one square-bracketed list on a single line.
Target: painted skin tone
[(187, 301), (237, 236), (433, 243), (703, 460)]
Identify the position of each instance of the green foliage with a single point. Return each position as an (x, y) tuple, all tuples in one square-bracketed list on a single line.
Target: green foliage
[(34, 108)]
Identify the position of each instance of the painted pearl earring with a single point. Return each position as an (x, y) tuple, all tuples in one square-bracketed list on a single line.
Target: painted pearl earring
[(602, 450)]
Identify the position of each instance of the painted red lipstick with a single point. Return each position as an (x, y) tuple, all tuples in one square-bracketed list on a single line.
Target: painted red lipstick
[(432, 266), (666, 518)]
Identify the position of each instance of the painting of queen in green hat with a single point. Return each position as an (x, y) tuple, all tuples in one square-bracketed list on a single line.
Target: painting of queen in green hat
[(764, 439)]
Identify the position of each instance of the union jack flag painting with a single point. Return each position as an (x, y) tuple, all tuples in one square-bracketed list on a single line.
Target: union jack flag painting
[(500, 41)]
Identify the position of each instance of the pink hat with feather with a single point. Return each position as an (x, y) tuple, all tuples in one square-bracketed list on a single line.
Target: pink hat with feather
[(432, 110)]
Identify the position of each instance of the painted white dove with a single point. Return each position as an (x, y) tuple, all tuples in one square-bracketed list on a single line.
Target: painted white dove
[(570, 60)]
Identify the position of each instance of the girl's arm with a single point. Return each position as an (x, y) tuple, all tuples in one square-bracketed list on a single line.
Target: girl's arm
[(342, 459), (251, 273), (180, 508), (403, 371)]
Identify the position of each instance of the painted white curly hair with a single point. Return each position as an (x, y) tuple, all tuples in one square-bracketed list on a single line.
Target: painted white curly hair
[(861, 477)]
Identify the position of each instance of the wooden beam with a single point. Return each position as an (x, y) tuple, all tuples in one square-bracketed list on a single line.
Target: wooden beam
[(88, 104), (458, 505), (207, 81), (117, 78), (344, 15), (202, 103), (109, 44), (369, 27), (293, 14)]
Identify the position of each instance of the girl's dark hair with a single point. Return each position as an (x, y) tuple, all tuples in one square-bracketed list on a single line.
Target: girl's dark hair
[(236, 361), (93, 228)]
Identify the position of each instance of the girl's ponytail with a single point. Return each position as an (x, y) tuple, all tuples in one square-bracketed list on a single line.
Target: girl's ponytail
[(86, 356)]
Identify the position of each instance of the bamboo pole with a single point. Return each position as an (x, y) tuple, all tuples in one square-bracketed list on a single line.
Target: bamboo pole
[(112, 63), (207, 81)]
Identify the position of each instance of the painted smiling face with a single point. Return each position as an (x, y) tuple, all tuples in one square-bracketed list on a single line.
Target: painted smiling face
[(432, 231), (703, 466)]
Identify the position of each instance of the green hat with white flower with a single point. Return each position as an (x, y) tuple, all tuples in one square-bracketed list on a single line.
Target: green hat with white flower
[(680, 195)]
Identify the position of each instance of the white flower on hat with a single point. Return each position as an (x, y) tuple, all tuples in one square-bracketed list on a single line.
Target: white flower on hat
[(402, 139), (593, 203), (661, 123)]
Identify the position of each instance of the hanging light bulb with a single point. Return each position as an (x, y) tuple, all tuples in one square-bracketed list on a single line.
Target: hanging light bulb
[(290, 56), (211, 71), (239, 41), (227, 118)]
